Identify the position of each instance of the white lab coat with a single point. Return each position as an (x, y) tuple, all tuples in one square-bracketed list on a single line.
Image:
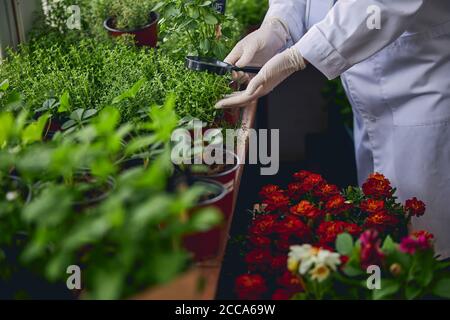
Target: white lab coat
[(397, 79)]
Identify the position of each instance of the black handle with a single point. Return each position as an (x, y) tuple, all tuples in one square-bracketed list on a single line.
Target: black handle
[(248, 69)]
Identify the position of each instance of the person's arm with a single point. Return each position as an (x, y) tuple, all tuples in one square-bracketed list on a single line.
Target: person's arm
[(292, 14), (344, 38)]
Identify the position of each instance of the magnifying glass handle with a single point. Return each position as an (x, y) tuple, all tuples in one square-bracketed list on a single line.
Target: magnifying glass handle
[(248, 69)]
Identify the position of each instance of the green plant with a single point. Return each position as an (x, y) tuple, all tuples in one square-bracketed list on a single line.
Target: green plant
[(248, 12), (194, 27), (127, 14), (124, 242)]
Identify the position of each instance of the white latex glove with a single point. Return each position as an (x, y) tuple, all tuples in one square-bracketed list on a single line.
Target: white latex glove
[(271, 75), (258, 47)]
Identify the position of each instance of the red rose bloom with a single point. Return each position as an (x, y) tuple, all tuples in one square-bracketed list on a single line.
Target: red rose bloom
[(263, 225), (282, 294), (372, 205), (328, 231), (276, 201), (371, 253), (415, 207), (269, 189), (301, 175), (258, 260), (250, 287), (326, 191), (337, 204), (290, 282), (306, 209), (381, 221), (312, 181), (377, 186), (260, 241)]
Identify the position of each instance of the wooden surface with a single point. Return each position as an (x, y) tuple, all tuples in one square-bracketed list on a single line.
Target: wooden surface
[(200, 283)]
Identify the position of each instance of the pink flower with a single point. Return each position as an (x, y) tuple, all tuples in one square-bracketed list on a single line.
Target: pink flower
[(371, 253), (411, 244)]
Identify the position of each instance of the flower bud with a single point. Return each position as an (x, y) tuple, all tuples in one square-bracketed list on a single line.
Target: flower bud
[(395, 269)]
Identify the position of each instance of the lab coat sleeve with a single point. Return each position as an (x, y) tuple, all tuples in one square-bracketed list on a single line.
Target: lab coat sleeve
[(347, 35), (292, 14)]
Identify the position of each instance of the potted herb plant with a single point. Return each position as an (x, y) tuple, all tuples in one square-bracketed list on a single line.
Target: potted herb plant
[(132, 17)]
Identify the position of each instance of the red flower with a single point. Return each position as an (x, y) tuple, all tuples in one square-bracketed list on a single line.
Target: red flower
[(292, 226), (258, 260), (290, 282), (306, 209), (295, 190), (381, 221), (282, 294), (344, 260), (301, 175), (328, 231), (372, 205), (312, 181), (337, 204), (377, 186), (263, 225), (326, 191), (278, 264), (285, 242), (250, 287), (260, 241), (269, 189), (371, 253), (411, 244), (276, 201), (429, 236), (415, 207)]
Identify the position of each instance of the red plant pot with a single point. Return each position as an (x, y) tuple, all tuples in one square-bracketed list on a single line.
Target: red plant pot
[(228, 180), (207, 245), (145, 36)]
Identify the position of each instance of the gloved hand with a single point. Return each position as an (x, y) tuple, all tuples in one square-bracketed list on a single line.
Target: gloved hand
[(271, 75), (258, 47)]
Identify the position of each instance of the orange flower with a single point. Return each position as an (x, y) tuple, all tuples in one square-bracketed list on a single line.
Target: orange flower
[(326, 191), (295, 190), (423, 233), (250, 287), (263, 225), (337, 204), (312, 181), (378, 186), (301, 175), (276, 201), (269, 189), (415, 207), (328, 231), (372, 206), (306, 209), (380, 221)]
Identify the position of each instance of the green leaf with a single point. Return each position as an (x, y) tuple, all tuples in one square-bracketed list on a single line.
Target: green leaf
[(442, 288), (205, 219), (388, 288), (412, 292), (388, 245), (64, 102), (89, 113), (68, 124), (34, 131), (344, 244), (130, 93), (6, 127), (4, 85), (210, 19)]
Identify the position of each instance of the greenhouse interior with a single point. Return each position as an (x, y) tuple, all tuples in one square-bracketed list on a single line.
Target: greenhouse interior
[(224, 150)]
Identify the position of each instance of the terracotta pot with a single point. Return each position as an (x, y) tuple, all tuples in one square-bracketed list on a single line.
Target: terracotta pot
[(207, 245), (145, 36)]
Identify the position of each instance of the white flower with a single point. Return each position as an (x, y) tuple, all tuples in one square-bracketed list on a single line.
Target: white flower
[(11, 195), (329, 259), (320, 272), (306, 257)]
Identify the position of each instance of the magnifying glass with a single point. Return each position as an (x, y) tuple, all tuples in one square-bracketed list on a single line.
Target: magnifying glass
[(215, 66)]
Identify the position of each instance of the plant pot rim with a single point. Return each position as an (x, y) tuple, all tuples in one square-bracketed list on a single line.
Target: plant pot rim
[(154, 17), (217, 198)]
